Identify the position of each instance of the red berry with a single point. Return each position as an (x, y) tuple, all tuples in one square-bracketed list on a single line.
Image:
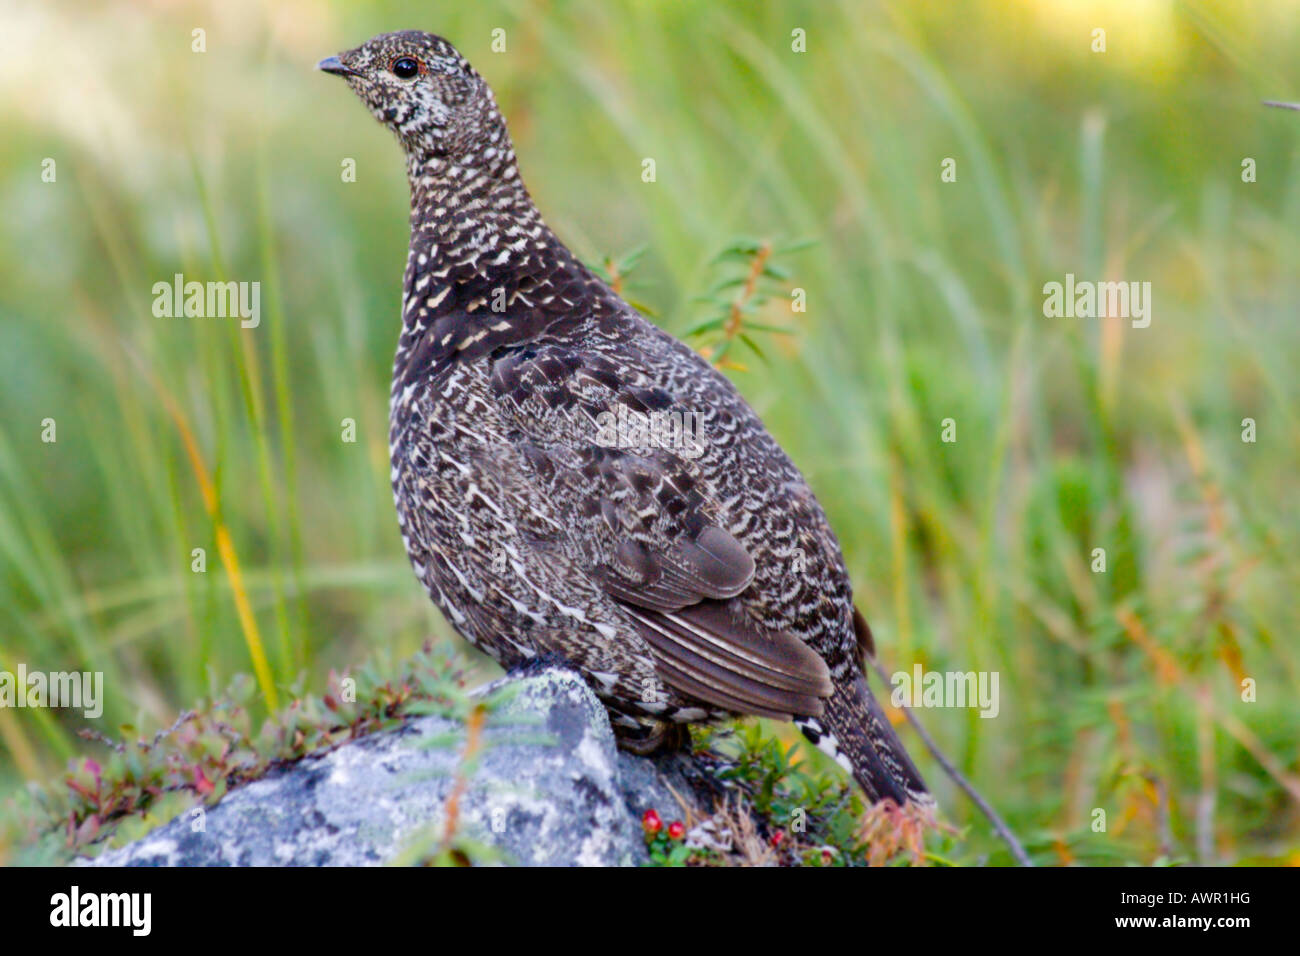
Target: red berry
[(651, 823), (676, 830), (778, 838), (827, 857)]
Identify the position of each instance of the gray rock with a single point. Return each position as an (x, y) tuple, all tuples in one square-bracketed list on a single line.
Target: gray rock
[(551, 789)]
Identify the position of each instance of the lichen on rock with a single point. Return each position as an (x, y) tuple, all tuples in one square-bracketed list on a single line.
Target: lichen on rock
[(549, 788)]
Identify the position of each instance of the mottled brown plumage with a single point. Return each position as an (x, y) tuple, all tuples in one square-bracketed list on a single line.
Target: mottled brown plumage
[(681, 564)]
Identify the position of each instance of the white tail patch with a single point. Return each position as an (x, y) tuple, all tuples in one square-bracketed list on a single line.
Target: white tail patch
[(824, 740)]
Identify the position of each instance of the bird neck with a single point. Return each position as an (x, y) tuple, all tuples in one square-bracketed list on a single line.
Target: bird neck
[(472, 218), (483, 269)]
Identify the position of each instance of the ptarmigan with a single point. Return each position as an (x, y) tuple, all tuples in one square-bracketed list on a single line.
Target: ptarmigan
[(687, 581)]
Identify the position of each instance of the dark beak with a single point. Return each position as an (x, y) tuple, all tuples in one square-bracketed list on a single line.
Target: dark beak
[(1285, 106), (332, 64)]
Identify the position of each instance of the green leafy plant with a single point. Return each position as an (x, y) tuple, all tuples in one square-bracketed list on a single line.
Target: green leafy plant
[(138, 784), (785, 810), (747, 278)]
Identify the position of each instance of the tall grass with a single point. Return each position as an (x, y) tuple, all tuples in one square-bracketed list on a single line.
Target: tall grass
[(1120, 690)]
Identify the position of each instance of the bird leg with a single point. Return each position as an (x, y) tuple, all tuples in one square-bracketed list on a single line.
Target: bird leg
[(654, 740)]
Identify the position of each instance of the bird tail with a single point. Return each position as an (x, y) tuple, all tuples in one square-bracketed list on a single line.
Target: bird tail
[(855, 732)]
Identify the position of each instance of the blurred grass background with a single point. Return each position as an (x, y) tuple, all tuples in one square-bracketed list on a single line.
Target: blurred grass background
[(1118, 690)]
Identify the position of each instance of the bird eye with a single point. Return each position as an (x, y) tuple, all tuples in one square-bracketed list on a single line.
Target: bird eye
[(405, 67)]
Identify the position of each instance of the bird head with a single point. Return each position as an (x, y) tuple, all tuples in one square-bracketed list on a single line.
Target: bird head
[(421, 88)]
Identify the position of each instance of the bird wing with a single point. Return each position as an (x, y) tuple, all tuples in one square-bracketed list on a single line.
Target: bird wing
[(650, 531)]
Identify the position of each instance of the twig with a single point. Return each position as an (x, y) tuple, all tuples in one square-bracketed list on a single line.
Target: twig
[(473, 731), (963, 784), (615, 277), (736, 317)]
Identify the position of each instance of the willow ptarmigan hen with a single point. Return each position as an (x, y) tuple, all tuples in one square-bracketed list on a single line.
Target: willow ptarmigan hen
[(686, 581)]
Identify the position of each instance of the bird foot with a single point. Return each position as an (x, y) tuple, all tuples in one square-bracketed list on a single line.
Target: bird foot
[(655, 740)]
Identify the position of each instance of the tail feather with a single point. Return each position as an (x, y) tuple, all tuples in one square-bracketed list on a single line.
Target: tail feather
[(856, 733)]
